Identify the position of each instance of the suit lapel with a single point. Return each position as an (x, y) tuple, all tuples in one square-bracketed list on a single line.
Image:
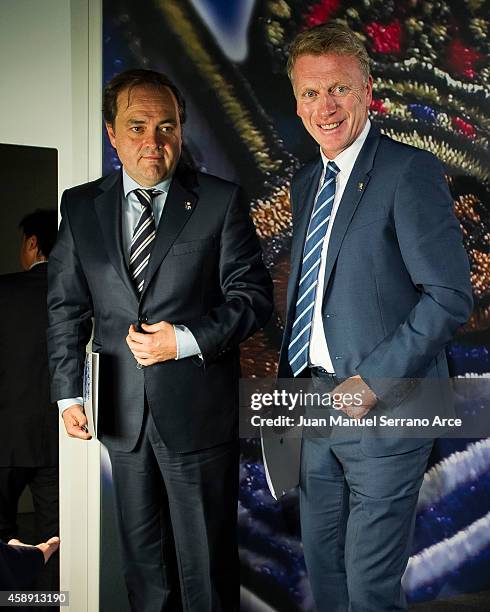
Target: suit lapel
[(305, 193), (108, 210), (179, 206), (354, 190)]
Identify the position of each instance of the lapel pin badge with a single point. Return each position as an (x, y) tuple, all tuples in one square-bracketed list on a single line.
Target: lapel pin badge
[(360, 186), (188, 206)]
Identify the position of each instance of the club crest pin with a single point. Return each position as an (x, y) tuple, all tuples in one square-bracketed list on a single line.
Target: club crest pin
[(188, 206), (360, 186)]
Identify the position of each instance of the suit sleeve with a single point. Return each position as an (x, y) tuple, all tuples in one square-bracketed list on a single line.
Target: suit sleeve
[(429, 239), (245, 284), (69, 313), (19, 566)]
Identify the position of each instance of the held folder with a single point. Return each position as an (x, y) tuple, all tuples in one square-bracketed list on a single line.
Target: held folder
[(91, 392)]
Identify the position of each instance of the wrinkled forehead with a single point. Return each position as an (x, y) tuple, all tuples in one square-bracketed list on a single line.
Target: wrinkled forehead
[(327, 65), (327, 70)]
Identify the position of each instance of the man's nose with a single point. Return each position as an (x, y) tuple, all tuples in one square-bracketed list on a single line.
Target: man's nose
[(154, 139), (328, 104)]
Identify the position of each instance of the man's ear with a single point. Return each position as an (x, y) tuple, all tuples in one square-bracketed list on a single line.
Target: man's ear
[(32, 243), (111, 134), (369, 91)]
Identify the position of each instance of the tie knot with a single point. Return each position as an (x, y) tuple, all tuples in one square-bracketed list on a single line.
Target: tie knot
[(145, 196), (332, 170)]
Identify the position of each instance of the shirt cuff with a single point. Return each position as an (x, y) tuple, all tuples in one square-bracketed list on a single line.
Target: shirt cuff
[(66, 403), (187, 345)]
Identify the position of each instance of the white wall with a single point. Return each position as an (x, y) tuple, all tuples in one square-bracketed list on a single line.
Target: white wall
[(51, 75)]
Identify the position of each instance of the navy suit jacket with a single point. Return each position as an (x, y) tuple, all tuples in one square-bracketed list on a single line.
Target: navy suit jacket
[(397, 283), (29, 431), (205, 272)]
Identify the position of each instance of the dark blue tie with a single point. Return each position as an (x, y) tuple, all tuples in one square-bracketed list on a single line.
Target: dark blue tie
[(303, 315)]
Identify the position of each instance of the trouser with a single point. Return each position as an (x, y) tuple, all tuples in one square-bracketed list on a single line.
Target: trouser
[(357, 522), (177, 517)]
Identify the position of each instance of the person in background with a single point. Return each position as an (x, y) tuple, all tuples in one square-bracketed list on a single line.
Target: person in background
[(29, 421), (20, 563)]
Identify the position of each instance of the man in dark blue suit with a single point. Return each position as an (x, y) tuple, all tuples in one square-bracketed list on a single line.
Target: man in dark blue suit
[(166, 261), (379, 284)]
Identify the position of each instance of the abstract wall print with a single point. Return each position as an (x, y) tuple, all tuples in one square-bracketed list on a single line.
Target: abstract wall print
[(431, 89)]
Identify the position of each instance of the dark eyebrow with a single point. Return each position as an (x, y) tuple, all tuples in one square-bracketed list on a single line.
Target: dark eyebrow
[(143, 122)]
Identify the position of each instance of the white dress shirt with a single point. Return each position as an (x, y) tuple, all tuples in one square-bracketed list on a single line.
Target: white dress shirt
[(319, 354), (132, 208)]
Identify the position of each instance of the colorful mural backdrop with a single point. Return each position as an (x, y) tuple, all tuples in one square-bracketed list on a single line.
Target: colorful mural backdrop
[(431, 89)]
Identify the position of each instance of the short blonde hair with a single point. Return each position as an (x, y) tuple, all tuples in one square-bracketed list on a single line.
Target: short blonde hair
[(329, 38)]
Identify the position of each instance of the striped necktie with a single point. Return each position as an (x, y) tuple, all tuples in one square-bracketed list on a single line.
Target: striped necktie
[(303, 315), (143, 238)]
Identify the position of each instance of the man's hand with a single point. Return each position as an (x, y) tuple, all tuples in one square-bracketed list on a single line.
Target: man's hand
[(157, 344), (356, 387), (47, 548), (76, 422)]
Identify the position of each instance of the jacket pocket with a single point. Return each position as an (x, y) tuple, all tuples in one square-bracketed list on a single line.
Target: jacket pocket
[(205, 244), (362, 223)]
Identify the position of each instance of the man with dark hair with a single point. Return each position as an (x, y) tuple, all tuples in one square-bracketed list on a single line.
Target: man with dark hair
[(166, 261), (29, 424), (379, 284), (127, 81), (39, 230)]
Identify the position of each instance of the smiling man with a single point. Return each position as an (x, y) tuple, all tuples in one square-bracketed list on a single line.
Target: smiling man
[(379, 284), (333, 94), (166, 262)]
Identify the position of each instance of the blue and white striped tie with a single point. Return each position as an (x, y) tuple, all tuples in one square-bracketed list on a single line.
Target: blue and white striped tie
[(142, 240), (303, 317)]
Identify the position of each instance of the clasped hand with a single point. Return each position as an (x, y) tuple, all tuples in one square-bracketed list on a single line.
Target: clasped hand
[(157, 344)]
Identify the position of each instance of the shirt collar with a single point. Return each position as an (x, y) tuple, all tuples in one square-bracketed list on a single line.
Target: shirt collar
[(347, 158), (129, 184), (37, 263)]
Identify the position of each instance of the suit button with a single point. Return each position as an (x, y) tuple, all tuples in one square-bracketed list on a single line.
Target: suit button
[(143, 319)]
